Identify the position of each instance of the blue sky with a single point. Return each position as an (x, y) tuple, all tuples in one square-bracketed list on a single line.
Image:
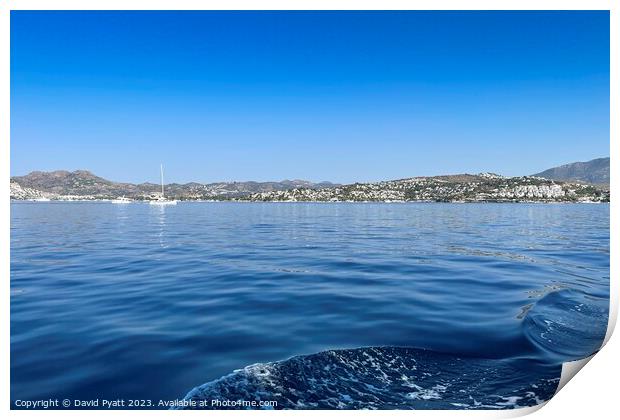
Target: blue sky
[(339, 96)]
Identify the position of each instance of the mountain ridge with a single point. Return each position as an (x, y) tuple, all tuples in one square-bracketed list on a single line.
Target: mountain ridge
[(595, 171), (82, 184)]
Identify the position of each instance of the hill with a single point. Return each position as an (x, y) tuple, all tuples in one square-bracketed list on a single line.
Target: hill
[(83, 183), (484, 187), (594, 172)]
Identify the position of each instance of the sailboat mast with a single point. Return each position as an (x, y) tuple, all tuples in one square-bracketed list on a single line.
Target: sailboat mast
[(161, 168)]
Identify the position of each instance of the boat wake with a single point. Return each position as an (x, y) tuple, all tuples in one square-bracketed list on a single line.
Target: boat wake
[(561, 326), (566, 325), (385, 378)]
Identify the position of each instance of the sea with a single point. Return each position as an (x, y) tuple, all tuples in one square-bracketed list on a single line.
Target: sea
[(304, 305)]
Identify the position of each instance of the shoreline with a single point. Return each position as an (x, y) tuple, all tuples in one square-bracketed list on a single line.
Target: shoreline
[(109, 201)]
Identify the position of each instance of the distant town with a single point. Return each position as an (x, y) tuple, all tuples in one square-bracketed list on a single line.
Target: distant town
[(577, 182)]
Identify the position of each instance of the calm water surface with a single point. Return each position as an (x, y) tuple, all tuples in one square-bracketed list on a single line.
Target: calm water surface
[(138, 301)]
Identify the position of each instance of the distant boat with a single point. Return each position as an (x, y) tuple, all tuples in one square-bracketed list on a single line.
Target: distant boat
[(41, 199), (121, 200), (161, 201)]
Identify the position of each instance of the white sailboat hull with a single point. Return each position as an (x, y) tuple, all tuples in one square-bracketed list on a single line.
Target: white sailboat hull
[(163, 202)]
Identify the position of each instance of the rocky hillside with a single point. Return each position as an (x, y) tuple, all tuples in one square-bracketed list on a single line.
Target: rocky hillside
[(455, 188), (24, 193), (63, 185), (85, 184), (78, 183), (594, 172)]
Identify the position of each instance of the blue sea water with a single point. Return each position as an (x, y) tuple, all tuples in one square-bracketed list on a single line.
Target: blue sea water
[(314, 305)]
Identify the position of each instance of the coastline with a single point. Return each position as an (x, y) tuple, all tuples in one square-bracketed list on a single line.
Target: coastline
[(109, 200)]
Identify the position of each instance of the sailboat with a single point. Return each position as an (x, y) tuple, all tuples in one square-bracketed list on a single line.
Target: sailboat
[(161, 201)]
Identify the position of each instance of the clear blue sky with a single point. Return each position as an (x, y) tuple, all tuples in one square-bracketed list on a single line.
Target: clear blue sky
[(339, 96)]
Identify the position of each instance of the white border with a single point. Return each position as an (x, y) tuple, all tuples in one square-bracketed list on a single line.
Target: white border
[(572, 402)]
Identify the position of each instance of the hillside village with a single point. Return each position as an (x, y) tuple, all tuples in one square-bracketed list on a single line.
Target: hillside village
[(484, 187), (457, 188)]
